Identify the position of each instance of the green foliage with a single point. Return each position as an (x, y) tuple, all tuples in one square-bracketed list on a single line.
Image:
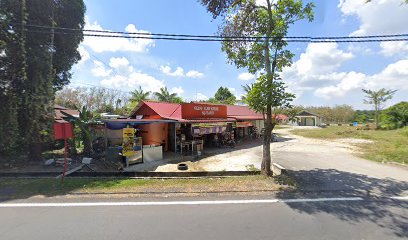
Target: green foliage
[(364, 116), (337, 114), (139, 95), (245, 19), (259, 97), (165, 96), (223, 96), (83, 123), (32, 66), (378, 99), (395, 116)]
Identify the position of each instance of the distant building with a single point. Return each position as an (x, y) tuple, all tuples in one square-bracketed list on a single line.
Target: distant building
[(306, 118)]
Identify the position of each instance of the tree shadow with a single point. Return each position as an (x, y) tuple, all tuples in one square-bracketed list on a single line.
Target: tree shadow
[(376, 207)]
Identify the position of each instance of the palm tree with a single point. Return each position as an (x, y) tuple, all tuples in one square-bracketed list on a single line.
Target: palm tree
[(247, 89), (165, 96), (378, 98), (139, 95)]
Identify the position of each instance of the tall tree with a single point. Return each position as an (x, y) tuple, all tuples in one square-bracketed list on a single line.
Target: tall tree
[(254, 39), (139, 95), (45, 58), (13, 73), (224, 96), (165, 96), (378, 99)]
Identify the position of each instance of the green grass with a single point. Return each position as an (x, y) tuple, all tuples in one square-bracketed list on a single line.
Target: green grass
[(24, 188), (387, 146)]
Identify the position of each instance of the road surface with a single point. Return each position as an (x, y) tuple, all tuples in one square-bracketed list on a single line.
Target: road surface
[(323, 219), (331, 166)]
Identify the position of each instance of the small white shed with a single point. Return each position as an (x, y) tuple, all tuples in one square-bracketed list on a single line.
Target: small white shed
[(306, 118)]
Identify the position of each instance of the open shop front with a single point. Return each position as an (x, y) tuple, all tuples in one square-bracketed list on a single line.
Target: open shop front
[(203, 125), (136, 140), (194, 137)]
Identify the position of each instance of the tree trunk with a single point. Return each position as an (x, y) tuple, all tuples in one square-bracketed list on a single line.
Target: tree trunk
[(266, 153)]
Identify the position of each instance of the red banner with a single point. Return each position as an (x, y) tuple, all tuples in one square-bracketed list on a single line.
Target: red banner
[(200, 110)]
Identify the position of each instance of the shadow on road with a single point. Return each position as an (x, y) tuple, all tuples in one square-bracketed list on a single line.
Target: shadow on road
[(384, 212)]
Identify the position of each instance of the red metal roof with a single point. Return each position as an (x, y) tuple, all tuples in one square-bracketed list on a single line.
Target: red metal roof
[(163, 109), (172, 111), (242, 113)]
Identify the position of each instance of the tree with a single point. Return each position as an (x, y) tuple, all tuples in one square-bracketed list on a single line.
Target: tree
[(224, 96), (37, 62), (139, 95), (395, 116), (165, 96), (96, 99), (254, 39), (378, 99)]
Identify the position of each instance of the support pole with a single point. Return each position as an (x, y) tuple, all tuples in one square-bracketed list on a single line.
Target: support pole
[(65, 159)]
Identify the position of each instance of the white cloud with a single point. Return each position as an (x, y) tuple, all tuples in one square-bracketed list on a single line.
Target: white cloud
[(321, 58), (349, 81), (178, 90), (194, 74), (246, 76), (394, 48), (315, 68), (375, 19), (99, 70), (113, 44), (377, 16), (118, 62), (133, 81), (201, 97), (232, 90), (319, 72), (84, 55), (393, 76), (179, 72)]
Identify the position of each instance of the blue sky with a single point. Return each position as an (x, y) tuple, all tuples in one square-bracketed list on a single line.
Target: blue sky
[(322, 74)]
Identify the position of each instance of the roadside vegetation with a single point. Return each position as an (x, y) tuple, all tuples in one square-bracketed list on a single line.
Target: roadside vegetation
[(24, 188), (387, 146)]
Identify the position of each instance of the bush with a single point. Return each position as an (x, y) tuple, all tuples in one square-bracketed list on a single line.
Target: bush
[(395, 116)]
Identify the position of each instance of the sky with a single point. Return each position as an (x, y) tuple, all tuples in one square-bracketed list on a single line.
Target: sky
[(322, 74)]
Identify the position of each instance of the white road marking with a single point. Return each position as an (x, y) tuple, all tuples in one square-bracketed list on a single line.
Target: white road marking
[(217, 202), (400, 198)]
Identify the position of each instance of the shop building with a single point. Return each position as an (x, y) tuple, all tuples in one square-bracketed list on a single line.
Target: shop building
[(185, 128)]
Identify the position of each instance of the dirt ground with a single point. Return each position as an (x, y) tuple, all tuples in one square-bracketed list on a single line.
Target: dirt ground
[(245, 158)]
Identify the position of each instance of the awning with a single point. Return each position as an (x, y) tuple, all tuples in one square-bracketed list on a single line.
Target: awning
[(116, 124), (209, 130)]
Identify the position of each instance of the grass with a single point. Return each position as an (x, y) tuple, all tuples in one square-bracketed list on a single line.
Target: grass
[(387, 146), (24, 188)]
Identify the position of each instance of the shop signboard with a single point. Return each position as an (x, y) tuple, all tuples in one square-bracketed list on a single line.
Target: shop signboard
[(244, 124), (63, 130), (203, 111), (128, 141)]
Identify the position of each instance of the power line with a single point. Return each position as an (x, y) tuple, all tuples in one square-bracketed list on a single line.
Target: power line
[(317, 40), (216, 38)]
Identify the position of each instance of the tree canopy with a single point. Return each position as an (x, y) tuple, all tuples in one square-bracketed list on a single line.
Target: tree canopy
[(223, 96), (378, 98), (254, 39), (165, 96), (33, 65)]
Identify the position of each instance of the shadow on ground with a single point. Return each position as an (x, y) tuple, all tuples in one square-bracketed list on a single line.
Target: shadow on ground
[(384, 212)]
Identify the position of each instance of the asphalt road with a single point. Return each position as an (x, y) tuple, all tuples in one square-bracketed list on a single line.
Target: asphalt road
[(367, 219)]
